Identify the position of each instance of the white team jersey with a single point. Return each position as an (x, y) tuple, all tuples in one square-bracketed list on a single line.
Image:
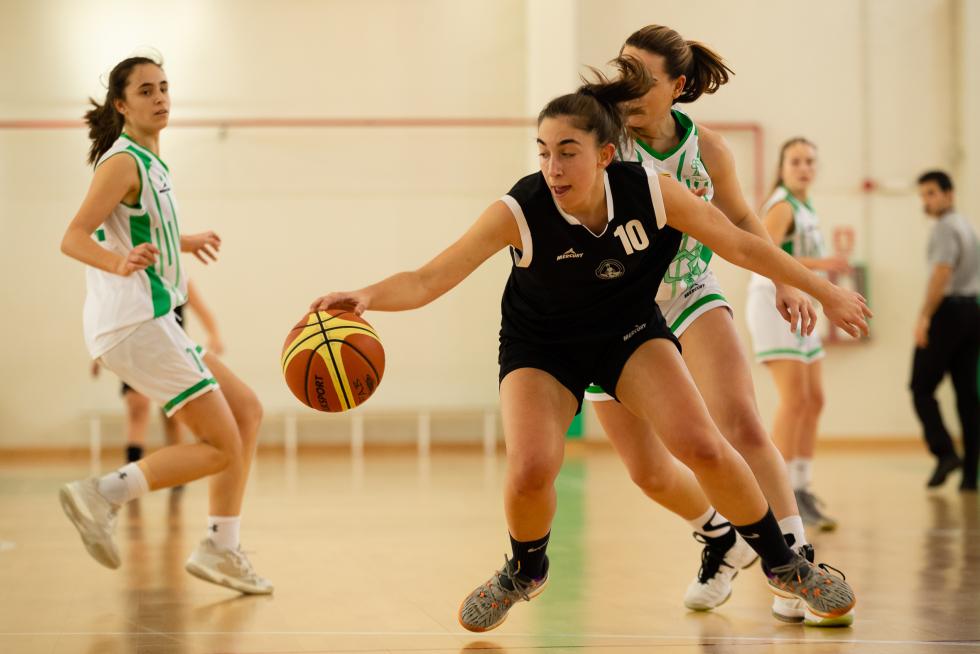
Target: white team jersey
[(683, 163), (115, 305), (803, 238)]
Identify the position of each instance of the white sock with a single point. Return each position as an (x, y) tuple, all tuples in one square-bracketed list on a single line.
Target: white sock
[(793, 526), (791, 472), (223, 530), (711, 525), (804, 472), (123, 485)]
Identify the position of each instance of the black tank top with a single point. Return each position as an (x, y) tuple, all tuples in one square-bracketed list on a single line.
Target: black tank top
[(571, 286)]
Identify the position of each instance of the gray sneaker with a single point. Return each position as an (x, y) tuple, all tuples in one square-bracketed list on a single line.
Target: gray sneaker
[(809, 506), (791, 609), (226, 567), (487, 606), (94, 517), (826, 596)]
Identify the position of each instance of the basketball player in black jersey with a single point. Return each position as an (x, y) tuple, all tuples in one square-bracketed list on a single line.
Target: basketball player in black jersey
[(590, 240)]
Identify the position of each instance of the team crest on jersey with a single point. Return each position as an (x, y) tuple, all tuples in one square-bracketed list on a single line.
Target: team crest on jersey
[(610, 269)]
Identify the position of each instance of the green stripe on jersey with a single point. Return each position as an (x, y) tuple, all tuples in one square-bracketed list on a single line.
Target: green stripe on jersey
[(100, 235), (694, 307), (139, 229), (144, 151), (175, 236), (204, 383)]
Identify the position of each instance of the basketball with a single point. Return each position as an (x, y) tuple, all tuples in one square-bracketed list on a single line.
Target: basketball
[(333, 360)]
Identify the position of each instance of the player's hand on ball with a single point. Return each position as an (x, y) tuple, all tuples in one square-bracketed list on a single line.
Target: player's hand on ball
[(354, 302), (848, 310), (140, 257), (796, 308), (205, 244)]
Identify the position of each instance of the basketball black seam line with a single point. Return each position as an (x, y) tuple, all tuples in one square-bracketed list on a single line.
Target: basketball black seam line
[(333, 361), (321, 332), (306, 338), (363, 356), (306, 378)]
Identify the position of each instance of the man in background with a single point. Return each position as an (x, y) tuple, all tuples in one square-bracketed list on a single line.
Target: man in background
[(947, 333)]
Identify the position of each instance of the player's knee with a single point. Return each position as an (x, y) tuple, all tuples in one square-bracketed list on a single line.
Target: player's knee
[(654, 483), (703, 452), (795, 402), (815, 402), (137, 406), (532, 476), (745, 432), (249, 418), (654, 476)]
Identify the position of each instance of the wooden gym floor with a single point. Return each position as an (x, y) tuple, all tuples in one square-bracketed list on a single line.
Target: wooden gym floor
[(374, 555)]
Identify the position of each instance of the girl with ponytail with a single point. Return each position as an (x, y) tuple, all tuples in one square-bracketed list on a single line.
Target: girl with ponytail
[(666, 141), (126, 233), (590, 239)]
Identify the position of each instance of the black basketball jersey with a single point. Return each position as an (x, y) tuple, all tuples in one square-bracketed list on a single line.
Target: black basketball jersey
[(569, 285)]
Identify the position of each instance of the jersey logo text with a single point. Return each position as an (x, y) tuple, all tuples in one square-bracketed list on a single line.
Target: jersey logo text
[(633, 332), (570, 253)]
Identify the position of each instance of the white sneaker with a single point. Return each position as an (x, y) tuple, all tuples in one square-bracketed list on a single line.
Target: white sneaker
[(94, 517), (720, 564), (226, 567)]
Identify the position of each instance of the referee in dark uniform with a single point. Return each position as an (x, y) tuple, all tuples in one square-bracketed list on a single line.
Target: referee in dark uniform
[(947, 333)]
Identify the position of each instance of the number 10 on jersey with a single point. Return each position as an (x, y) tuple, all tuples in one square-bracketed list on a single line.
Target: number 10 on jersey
[(633, 236)]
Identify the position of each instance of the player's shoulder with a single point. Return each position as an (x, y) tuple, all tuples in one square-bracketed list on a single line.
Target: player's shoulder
[(528, 187)]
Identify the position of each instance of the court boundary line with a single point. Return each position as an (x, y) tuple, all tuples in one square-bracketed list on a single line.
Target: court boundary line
[(583, 636)]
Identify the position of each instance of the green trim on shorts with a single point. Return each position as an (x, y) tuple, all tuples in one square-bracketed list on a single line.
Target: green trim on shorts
[(204, 383), (787, 350), (694, 307), (594, 388)]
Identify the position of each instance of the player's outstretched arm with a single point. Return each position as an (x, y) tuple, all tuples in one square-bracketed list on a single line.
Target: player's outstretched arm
[(846, 309), (114, 179), (494, 230)]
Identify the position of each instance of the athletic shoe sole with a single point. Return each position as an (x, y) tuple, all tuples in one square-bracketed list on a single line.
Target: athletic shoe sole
[(74, 508), (215, 577)]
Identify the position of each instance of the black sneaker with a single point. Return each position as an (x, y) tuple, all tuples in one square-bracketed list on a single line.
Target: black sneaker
[(945, 465)]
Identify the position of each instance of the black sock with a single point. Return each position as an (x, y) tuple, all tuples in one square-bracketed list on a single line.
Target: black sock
[(134, 453), (723, 542), (529, 556), (766, 538)]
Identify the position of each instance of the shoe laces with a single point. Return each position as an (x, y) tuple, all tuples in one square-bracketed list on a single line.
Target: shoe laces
[(509, 572), (242, 562), (712, 557)]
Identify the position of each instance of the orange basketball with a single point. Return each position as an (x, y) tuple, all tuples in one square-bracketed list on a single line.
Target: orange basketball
[(333, 360)]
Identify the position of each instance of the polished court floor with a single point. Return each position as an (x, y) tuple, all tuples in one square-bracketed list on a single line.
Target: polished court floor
[(375, 554)]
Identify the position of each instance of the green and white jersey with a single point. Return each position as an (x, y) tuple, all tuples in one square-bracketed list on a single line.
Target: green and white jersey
[(683, 163), (115, 305), (803, 238)]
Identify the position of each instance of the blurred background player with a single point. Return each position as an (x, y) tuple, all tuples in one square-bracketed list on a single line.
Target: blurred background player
[(793, 359), (947, 333)]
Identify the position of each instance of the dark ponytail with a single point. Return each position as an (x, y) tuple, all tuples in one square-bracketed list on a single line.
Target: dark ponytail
[(704, 69), (105, 124), (599, 106)]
